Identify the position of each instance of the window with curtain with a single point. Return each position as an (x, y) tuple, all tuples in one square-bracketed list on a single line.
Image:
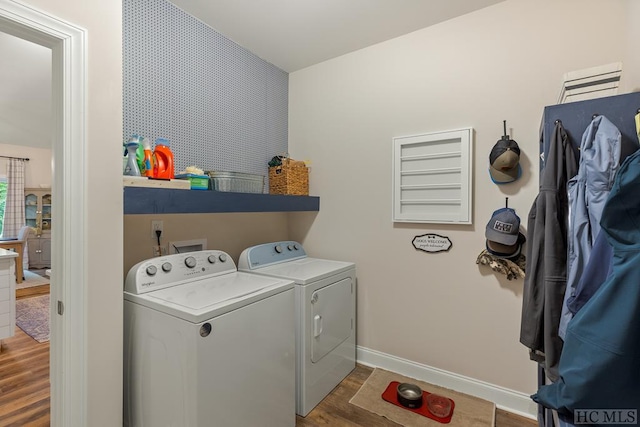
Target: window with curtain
[(3, 200), (13, 215)]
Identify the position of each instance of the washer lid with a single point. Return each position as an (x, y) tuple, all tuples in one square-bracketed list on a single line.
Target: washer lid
[(204, 299), (305, 270)]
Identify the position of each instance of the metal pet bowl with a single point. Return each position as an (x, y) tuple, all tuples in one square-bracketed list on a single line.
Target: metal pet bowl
[(409, 395)]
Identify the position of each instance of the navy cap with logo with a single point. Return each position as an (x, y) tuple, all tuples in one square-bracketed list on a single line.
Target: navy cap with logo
[(503, 227)]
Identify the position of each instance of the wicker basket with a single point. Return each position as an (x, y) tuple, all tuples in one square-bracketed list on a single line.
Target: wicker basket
[(289, 178)]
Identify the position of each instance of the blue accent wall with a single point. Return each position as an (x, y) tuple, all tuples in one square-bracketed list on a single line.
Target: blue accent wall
[(222, 107)]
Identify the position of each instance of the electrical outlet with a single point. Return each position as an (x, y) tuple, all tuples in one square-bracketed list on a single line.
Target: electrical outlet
[(155, 225)]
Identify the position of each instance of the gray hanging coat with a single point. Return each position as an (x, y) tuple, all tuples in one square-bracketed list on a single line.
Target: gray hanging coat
[(546, 279)]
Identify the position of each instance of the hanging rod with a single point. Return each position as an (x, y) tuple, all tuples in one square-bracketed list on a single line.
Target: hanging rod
[(26, 159)]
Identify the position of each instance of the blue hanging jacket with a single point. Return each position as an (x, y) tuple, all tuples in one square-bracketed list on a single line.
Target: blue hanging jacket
[(588, 192), (600, 363), (599, 267)]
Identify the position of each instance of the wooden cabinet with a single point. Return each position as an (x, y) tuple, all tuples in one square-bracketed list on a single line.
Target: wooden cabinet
[(39, 248), (37, 205), (7, 295), (37, 209)]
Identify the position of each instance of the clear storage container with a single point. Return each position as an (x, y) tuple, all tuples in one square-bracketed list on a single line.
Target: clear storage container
[(236, 182)]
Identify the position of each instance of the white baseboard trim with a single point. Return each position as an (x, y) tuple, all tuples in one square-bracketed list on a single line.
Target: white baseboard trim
[(504, 398)]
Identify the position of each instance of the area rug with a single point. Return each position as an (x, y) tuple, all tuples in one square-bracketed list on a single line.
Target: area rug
[(31, 280), (469, 411), (32, 316)]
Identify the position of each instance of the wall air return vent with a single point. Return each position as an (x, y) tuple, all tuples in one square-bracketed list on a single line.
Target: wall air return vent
[(432, 177), (590, 83)]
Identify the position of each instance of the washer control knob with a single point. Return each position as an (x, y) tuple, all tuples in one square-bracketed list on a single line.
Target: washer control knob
[(166, 267), (190, 261), (212, 259), (296, 247), (290, 247), (223, 257), (151, 270), (278, 249)]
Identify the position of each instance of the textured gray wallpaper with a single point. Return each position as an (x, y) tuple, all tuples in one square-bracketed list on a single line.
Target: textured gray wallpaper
[(222, 107)]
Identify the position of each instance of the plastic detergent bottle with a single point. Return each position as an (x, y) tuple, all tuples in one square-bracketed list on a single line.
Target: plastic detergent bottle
[(132, 164), (139, 151), (140, 156), (163, 160), (147, 159)]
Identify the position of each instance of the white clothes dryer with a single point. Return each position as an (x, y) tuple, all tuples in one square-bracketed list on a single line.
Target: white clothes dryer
[(206, 345), (325, 311)]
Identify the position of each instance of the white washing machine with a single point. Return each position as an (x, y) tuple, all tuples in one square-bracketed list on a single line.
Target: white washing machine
[(206, 345), (325, 315)]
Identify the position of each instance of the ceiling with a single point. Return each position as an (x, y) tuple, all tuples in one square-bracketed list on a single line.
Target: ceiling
[(291, 34), (294, 34)]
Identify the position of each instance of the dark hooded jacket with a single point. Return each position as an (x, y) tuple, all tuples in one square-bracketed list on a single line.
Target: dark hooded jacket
[(546, 279), (600, 363)]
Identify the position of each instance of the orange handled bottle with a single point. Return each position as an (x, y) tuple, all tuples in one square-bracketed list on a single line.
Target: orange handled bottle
[(163, 160)]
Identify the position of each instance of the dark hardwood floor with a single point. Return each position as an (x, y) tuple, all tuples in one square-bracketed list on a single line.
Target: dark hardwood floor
[(24, 381), (24, 389), (335, 409), (34, 291)]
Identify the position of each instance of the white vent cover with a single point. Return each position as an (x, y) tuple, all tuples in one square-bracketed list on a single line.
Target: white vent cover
[(590, 83), (432, 177)]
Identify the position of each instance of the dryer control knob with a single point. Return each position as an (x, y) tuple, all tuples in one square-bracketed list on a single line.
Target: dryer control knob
[(296, 247), (151, 270), (223, 258), (212, 259), (166, 267), (278, 249), (290, 247), (190, 261)]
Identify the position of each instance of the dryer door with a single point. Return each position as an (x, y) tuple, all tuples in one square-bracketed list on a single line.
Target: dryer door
[(331, 314)]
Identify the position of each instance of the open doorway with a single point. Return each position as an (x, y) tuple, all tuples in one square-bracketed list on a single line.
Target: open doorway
[(26, 145), (68, 290)]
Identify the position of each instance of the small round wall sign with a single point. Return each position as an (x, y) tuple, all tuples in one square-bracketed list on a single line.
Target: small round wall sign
[(432, 243)]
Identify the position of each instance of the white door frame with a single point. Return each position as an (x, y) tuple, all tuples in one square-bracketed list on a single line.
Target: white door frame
[(68, 355)]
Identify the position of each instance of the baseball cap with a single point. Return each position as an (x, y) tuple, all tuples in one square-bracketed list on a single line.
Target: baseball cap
[(503, 228), (506, 251), (504, 161)]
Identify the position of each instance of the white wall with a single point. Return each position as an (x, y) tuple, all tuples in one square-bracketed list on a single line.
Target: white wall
[(37, 171), (25, 113), (503, 62), (229, 232), (103, 209), (630, 81)]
